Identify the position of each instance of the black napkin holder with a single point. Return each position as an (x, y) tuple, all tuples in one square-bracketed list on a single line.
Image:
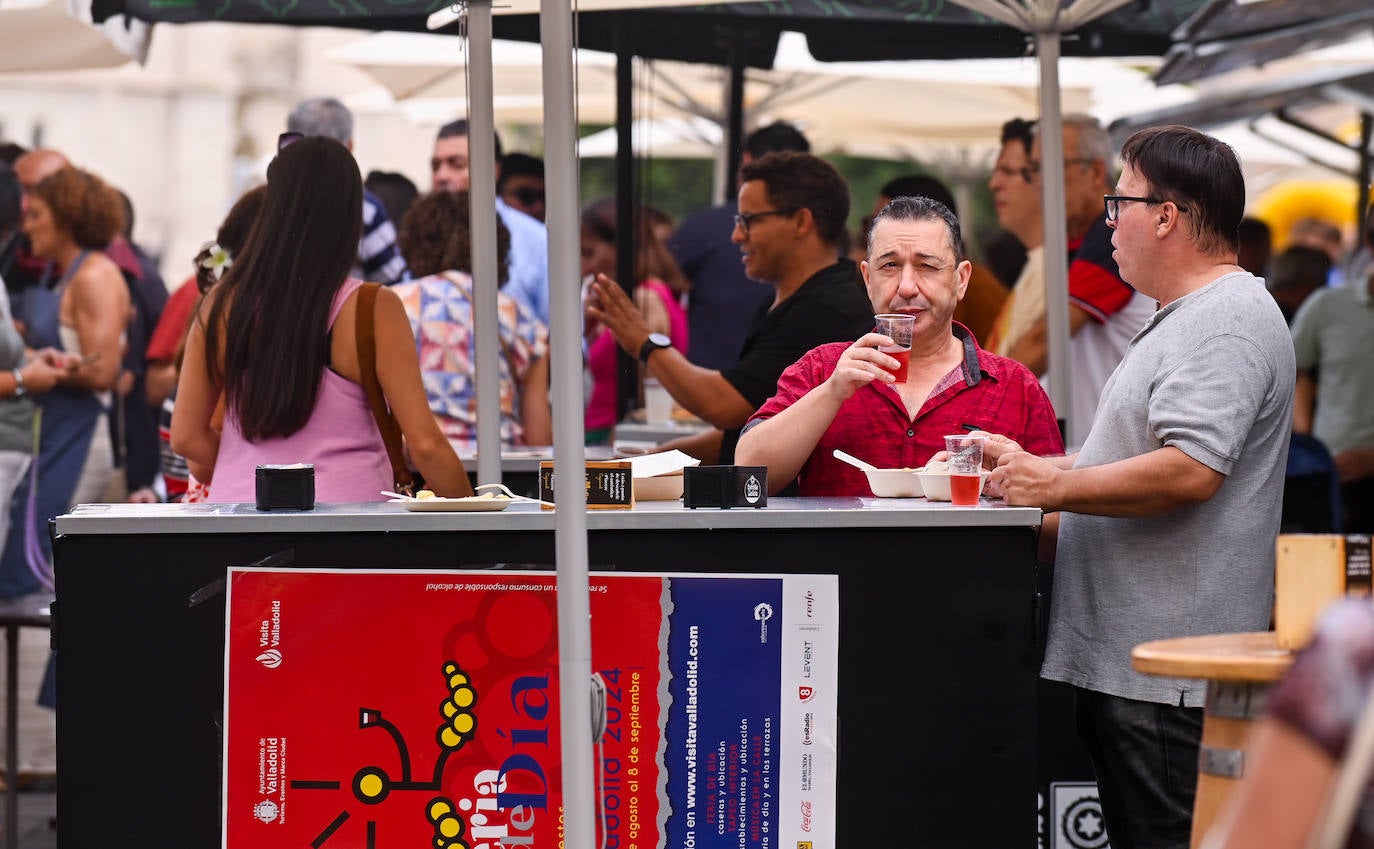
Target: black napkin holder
[(290, 487), (725, 486)]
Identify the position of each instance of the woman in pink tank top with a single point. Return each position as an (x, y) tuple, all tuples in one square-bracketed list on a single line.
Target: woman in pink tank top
[(275, 342), (658, 295)]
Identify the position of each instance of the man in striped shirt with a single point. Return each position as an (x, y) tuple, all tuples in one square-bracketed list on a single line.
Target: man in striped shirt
[(379, 260)]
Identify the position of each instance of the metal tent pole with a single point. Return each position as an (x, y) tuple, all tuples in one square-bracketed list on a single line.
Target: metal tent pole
[(482, 203), (1056, 232), (570, 521), (626, 196)]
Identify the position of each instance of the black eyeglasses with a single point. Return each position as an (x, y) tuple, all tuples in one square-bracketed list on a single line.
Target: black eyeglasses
[(745, 220), (1113, 203), (285, 140)]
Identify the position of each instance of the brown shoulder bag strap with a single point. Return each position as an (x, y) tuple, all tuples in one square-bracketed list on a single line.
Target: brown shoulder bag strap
[(367, 363)]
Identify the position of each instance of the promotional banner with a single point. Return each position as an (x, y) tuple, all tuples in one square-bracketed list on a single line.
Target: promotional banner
[(387, 708)]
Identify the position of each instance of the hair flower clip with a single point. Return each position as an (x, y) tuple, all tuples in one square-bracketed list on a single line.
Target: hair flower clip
[(215, 259)]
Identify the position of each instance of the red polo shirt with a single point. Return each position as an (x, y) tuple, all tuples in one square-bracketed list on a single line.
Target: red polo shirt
[(985, 391)]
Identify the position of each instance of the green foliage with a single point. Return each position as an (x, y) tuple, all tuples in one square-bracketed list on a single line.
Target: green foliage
[(676, 186)]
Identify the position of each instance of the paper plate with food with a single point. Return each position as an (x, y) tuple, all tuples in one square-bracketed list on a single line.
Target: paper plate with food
[(497, 497)]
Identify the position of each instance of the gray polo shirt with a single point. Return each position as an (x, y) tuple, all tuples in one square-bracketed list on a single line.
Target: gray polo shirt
[(1212, 375), (1333, 333)]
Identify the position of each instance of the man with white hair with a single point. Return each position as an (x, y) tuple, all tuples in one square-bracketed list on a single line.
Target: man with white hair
[(1105, 312), (379, 260)]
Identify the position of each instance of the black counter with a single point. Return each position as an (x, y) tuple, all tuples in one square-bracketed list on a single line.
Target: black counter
[(938, 646)]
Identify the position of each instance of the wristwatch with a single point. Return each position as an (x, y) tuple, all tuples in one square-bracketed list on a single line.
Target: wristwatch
[(19, 389), (653, 343)]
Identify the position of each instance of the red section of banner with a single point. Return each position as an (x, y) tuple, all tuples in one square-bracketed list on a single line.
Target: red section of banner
[(421, 709)]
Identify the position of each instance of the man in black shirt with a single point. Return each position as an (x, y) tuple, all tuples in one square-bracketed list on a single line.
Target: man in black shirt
[(723, 300), (792, 212)]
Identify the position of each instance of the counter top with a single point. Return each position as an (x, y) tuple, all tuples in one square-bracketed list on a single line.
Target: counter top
[(525, 458), (780, 513)]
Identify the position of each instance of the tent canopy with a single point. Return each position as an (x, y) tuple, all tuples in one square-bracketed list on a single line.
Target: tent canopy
[(1193, 60), (1238, 103), (963, 103), (59, 35), (1319, 103), (743, 34)]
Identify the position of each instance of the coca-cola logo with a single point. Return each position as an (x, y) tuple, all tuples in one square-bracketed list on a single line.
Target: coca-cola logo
[(806, 816)]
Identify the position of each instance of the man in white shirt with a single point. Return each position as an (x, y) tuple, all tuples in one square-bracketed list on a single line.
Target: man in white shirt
[(529, 241)]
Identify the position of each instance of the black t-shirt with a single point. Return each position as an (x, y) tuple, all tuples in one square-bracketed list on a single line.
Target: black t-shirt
[(723, 300), (832, 306)]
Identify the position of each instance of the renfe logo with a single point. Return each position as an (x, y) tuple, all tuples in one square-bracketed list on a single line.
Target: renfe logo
[(806, 693)]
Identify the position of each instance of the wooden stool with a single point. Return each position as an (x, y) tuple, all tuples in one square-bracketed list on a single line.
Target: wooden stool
[(1239, 669), (12, 618)]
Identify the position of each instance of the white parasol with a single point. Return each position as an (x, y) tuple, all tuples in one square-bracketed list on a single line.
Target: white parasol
[(59, 35)]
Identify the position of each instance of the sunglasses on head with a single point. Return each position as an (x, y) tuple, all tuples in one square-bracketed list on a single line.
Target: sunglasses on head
[(285, 140)]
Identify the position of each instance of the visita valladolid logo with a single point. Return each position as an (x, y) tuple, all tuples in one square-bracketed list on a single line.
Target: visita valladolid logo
[(269, 637)]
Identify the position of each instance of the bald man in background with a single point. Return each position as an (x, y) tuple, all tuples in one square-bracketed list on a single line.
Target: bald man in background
[(23, 269)]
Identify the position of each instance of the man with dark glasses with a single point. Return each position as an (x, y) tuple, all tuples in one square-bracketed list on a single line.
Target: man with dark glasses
[(450, 169), (520, 183)]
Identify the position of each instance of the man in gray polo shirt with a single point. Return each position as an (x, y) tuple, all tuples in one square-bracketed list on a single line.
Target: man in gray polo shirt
[(1172, 507)]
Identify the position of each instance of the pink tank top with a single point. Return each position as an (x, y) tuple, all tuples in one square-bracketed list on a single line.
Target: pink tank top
[(340, 439), (601, 358)]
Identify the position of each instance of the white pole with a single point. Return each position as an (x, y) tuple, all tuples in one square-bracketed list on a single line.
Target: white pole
[(1051, 132), (482, 201), (1048, 20), (570, 521)]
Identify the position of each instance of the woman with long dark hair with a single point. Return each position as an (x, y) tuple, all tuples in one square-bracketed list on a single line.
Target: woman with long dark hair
[(276, 339), (168, 342)]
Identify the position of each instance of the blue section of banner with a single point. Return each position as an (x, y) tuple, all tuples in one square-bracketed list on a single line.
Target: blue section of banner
[(724, 650)]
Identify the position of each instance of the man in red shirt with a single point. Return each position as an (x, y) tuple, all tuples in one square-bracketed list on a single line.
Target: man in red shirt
[(841, 396)]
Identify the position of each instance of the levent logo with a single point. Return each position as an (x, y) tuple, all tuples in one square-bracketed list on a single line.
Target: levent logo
[(270, 658)]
